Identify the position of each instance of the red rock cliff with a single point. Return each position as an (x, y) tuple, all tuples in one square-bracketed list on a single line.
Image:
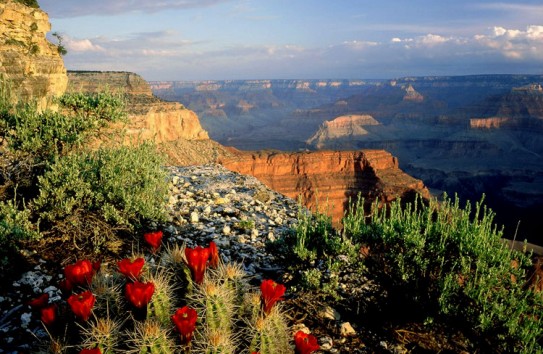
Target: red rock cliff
[(329, 178)]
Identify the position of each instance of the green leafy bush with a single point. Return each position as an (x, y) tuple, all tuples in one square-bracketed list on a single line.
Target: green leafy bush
[(69, 189), (454, 260), (14, 226), (438, 259), (122, 185), (316, 253)]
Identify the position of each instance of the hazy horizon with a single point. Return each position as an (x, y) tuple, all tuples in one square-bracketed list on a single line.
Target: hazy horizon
[(195, 40)]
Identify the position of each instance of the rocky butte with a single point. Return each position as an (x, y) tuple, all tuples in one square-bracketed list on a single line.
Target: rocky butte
[(347, 127), (328, 179)]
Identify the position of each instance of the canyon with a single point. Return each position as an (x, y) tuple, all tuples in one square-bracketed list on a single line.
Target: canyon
[(470, 136), (464, 135), (323, 180), (336, 176)]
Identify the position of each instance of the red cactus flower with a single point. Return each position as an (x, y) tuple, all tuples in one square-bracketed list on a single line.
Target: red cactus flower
[(79, 273), (139, 294), (305, 343), (214, 255), (131, 268), (39, 302), (185, 322), (49, 314), (91, 351), (197, 260), (153, 239), (271, 293), (81, 304)]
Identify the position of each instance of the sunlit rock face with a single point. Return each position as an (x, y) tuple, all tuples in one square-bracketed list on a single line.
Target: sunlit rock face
[(31, 63), (149, 117), (344, 128), (327, 179)]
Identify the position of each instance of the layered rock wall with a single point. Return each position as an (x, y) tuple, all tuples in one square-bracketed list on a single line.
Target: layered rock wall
[(327, 179), (149, 117), (32, 64)]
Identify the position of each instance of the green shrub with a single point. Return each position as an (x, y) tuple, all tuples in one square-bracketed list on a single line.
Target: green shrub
[(454, 260), (70, 190), (316, 253), (14, 226), (116, 187)]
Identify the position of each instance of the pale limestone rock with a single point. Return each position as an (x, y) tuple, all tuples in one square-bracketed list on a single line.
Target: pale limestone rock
[(30, 62)]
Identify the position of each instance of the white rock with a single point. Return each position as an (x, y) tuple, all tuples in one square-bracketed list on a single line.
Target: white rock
[(194, 218), (347, 330), (226, 230), (326, 343), (25, 319), (329, 313)]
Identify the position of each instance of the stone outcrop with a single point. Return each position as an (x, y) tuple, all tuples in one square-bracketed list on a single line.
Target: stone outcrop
[(327, 179), (344, 127), (412, 95), (31, 63), (488, 123), (149, 117), (95, 81)]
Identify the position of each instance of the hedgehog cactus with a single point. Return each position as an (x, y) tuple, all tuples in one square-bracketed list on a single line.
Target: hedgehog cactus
[(104, 333), (150, 337), (228, 315), (215, 301), (161, 305), (270, 334)]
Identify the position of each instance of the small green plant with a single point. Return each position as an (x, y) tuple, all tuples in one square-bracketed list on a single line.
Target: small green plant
[(13, 41), (316, 252), (245, 225), (60, 47), (14, 226)]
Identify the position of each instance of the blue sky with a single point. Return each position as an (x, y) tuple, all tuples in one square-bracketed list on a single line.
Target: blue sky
[(304, 39)]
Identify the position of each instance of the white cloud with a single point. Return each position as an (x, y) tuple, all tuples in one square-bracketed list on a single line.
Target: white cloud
[(164, 55), (82, 45), (432, 39), (513, 43), (359, 45)]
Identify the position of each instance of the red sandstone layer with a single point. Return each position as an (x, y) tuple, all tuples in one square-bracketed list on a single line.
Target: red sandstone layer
[(329, 178)]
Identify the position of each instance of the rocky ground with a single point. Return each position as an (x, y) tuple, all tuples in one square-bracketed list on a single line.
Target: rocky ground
[(240, 215)]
